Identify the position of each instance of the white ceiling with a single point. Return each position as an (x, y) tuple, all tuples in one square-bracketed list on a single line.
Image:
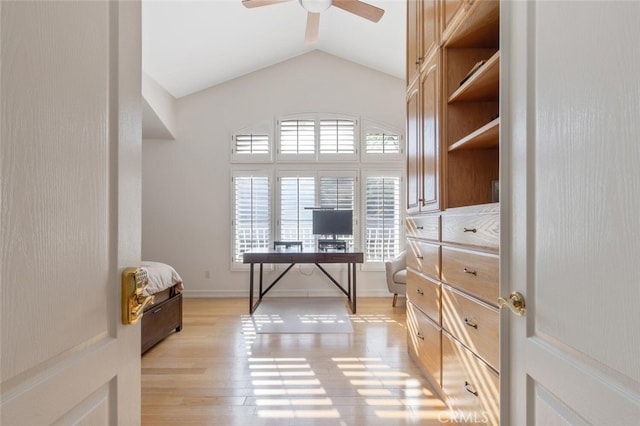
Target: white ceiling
[(188, 46)]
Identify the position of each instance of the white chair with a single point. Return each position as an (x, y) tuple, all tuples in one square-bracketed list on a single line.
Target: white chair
[(396, 270)]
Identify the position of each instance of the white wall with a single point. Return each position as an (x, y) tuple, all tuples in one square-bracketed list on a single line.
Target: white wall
[(186, 183), (158, 110)]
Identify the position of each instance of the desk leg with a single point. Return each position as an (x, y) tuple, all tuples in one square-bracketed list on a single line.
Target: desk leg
[(353, 304), (251, 288)]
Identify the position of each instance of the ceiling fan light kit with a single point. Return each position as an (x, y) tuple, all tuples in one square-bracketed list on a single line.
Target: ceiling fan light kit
[(315, 7)]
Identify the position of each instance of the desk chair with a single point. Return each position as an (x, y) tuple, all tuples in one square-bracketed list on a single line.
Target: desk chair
[(396, 270)]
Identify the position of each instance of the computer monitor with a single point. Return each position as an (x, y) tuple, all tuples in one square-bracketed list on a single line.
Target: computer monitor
[(332, 222)]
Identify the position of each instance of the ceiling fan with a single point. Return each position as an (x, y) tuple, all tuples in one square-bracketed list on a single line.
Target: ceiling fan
[(315, 7)]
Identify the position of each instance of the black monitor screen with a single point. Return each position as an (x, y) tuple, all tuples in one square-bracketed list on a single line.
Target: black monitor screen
[(333, 222)]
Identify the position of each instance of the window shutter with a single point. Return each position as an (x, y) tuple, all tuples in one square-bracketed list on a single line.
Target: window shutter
[(382, 143), (338, 193), (297, 137), (297, 194), (252, 219), (251, 144), (382, 223), (337, 136)]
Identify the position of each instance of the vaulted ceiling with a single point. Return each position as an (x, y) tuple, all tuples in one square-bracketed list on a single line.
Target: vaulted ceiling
[(188, 46)]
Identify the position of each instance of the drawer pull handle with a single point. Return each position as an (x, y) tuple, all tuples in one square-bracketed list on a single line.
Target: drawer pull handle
[(468, 387), (471, 323), (155, 311), (469, 271), (420, 227), (419, 257), (474, 230), (420, 336), (420, 292)]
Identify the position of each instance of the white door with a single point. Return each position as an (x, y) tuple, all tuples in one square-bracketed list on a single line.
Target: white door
[(70, 174), (571, 212)]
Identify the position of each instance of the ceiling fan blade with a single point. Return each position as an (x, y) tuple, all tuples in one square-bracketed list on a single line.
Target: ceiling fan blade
[(313, 27), (362, 9), (258, 3)]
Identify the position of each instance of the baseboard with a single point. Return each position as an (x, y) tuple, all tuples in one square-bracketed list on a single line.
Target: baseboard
[(283, 293)]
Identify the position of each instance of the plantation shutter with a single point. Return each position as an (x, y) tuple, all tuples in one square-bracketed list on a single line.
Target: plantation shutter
[(252, 217), (382, 219), (337, 137), (338, 193), (382, 143), (297, 195), (251, 144), (297, 137)]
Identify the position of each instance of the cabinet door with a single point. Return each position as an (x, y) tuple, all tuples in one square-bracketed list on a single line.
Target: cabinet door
[(413, 154), (430, 143), (429, 26), (449, 10), (413, 39)]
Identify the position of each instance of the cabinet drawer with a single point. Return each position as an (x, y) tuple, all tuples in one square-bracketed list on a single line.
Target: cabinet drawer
[(427, 227), (478, 230), (473, 272), (471, 385), (425, 342), (424, 257), (424, 293), (473, 323)]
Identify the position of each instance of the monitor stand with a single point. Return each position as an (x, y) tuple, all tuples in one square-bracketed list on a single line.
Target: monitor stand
[(334, 244)]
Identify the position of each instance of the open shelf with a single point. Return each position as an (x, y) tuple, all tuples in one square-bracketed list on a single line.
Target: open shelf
[(486, 136), (480, 26), (481, 86)]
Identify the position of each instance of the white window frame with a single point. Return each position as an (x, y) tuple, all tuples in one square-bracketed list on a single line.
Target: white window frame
[(317, 175), (317, 155), (365, 174), (337, 157), (368, 127), (262, 128), (356, 191), (239, 173), (296, 157), (278, 195)]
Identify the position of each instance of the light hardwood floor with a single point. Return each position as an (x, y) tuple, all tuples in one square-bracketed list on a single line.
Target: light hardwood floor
[(218, 371)]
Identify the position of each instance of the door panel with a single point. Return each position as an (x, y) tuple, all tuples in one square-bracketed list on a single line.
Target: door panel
[(570, 216), (70, 211)]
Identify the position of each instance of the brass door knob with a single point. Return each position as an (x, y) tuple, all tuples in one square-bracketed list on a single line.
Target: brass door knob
[(515, 302)]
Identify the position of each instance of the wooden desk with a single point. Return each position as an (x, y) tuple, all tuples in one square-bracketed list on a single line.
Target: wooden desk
[(293, 256)]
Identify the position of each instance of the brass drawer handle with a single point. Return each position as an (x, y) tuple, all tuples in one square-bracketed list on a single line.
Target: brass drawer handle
[(470, 271), (420, 292), (474, 230), (468, 388), (471, 323)]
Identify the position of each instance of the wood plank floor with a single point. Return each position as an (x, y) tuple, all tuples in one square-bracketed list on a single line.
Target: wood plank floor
[(219, 371)]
